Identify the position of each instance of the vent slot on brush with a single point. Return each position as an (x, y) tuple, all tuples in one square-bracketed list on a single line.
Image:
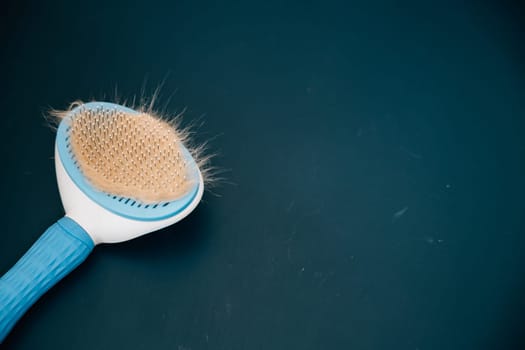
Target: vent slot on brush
[(133, 202)]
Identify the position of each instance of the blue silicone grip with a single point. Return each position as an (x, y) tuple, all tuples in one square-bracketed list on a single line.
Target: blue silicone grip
[(59, 250)]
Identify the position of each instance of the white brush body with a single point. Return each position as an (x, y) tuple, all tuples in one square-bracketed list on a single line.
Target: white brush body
[(102, 225)]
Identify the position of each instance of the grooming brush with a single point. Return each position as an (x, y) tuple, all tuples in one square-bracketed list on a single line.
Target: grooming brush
[(121, 174)]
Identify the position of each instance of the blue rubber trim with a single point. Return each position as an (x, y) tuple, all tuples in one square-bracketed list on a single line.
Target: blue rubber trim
[(119, 205), (70, 227), (57, 252)]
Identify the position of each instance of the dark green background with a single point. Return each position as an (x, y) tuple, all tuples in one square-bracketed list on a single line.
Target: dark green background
[(329, 119)]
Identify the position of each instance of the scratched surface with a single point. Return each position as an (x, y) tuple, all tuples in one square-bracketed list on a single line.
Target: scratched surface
[(374, 157)]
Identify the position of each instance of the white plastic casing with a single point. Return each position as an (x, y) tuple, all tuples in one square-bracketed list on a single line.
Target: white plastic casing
[(101, 224)]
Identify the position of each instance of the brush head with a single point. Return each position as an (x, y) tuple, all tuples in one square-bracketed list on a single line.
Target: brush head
[(130, 154), (131, 164)]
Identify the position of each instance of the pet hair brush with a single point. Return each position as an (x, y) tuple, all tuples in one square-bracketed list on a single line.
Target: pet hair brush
[(121, 173)]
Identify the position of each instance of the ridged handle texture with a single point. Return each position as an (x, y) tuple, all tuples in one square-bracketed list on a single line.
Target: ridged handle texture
[(58, 251)]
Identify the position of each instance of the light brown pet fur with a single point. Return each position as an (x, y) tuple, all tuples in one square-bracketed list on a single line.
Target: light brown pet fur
[(133, 155)]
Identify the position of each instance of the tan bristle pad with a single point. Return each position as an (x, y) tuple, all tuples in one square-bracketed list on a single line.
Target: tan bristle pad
[(133, 155)]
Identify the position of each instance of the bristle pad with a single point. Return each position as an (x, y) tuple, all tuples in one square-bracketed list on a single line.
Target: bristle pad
[(134, 155)]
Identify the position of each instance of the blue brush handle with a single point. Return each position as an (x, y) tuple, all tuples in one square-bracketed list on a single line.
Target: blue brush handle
[(58, 251)]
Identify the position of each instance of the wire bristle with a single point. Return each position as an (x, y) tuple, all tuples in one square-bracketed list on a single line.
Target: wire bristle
[(130, 155)]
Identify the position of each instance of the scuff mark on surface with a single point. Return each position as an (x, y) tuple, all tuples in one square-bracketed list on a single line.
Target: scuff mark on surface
[(398, 214)]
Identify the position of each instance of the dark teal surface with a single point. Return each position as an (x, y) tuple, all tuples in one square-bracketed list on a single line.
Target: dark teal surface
[(377, 156)]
